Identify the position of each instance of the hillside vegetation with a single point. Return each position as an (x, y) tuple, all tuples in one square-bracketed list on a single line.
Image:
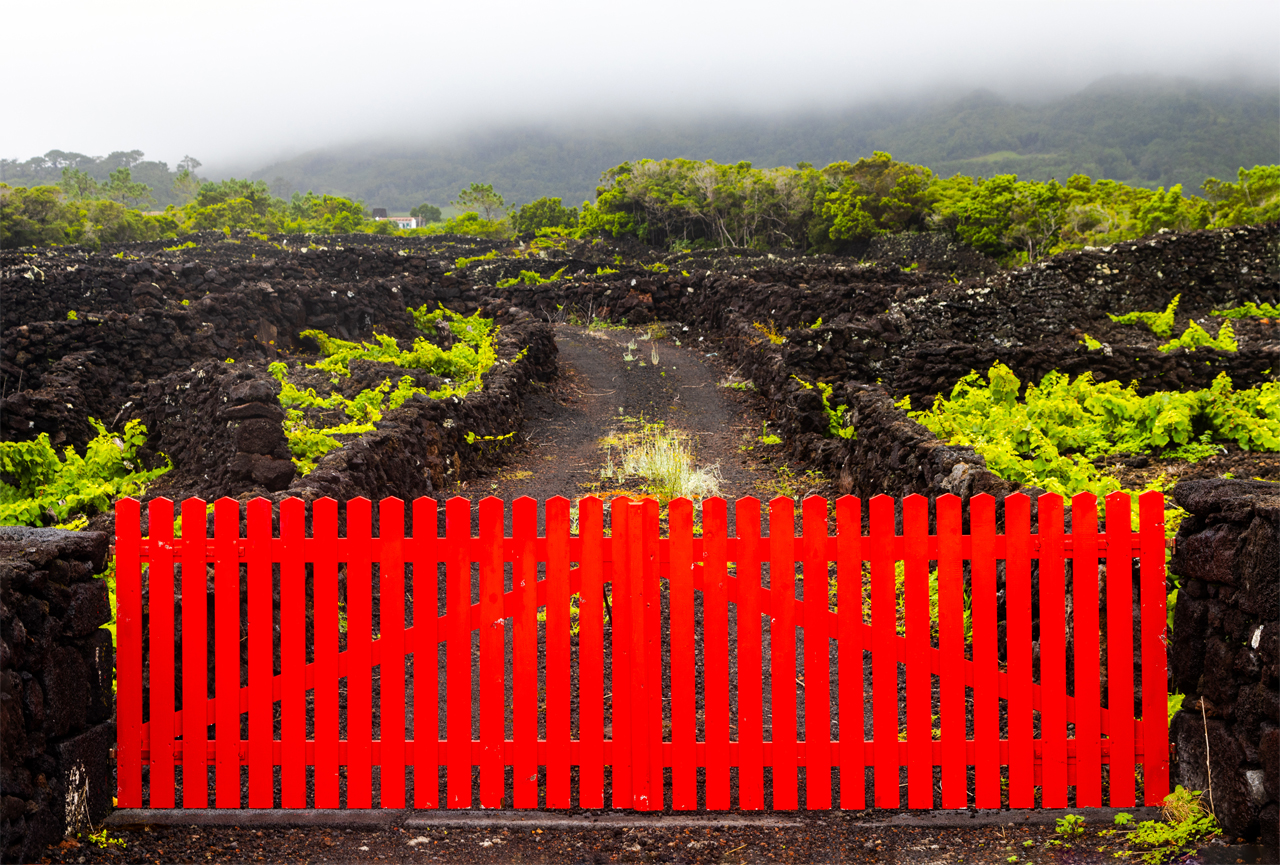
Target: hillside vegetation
[(682, 204)]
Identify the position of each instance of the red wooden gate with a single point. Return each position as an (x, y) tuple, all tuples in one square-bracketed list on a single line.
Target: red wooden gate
[(972, 699)]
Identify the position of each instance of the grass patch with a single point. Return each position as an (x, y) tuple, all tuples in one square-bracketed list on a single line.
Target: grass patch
[(661, 461)]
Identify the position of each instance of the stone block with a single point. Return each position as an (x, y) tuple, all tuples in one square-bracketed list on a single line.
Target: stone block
[(89, 609), (1269, 755), (39, 547), (99, 658), (66, 689), (87, 774), (1209, 555), (259, 436)]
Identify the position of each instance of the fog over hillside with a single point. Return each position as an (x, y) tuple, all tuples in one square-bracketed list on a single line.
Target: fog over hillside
[(1145, 131), (241, 83)]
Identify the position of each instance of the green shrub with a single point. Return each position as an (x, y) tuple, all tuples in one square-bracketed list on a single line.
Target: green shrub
[(1195, 337), (1049, 438), (1249, 310), (63, 492), (1161, 323)]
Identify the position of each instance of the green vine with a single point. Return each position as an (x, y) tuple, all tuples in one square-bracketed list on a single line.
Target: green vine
[(835, 416), (1250, 310), (1050, 438), (64, 491), (1161, 323)]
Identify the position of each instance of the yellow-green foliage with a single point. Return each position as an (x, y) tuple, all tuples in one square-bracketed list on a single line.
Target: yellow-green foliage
[(462, 366), (770, 331), (1161, 323), (1185, 826), (1049, 438), (463, 262), (66, 490), (529, 277), (308, 443), (464, 363), (1250, 310), (835, 416), (1195, 337)]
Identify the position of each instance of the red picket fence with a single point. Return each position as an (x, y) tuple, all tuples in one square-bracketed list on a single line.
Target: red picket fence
[(1008, 720)]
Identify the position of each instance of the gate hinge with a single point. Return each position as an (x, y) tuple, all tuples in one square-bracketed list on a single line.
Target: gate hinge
[(1173, 752)]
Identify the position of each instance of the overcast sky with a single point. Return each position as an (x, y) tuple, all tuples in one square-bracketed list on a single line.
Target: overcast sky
[(244, 81)]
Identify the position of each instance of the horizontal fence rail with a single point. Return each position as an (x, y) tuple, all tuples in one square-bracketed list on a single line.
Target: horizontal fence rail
[(987, 704)]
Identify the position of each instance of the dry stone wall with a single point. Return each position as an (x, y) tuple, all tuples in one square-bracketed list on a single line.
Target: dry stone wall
[(56, 706), (1224, 653)]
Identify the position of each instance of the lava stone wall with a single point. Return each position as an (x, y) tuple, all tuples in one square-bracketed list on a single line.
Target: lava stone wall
[(918, 333), (56, 706), (138, 323), (1225, 640)]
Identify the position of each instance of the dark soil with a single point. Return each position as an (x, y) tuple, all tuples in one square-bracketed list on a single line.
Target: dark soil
[(827, 838), (598, 393)]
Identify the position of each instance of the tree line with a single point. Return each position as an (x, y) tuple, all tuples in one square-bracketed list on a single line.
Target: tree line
[(677, 204)]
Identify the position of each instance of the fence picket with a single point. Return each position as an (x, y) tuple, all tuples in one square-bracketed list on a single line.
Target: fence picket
[(492, 653), (359, 652), (620, 675), (1155, 706), (426, 646), (1053, 653), (850, 659), (986, 659), (160, 604), (684, 778), (915, 531), (817, 673), (640, 685), (324, 532), (1084, 604), (129, 649), (293, 656), (457, 515), (750, 667), (557, 652), (391, 665), (591, 654), (261, 655), (951, 648), (715, 650), (782, 650), (226, 625), (652, 649), (195, 685), (1120, 649), (1017, 581), (884, 660), (524, 654)]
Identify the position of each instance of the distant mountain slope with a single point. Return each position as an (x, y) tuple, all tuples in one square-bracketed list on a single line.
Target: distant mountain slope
[(1146, 132)]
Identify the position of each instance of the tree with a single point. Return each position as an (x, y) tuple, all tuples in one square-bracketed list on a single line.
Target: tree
[(77, 185), (37, 217), (426, 213), (185, 186), (544, 213), (255, 192), (121, 187), (480, 198), (876, 196)]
